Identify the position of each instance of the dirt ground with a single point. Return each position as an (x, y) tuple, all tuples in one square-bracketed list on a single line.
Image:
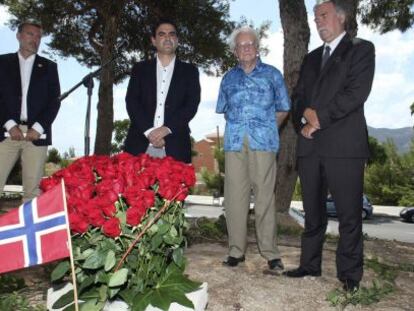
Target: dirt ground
[(247, 288)]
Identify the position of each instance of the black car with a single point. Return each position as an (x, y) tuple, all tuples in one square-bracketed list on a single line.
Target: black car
[(407, 214), (366, 213)]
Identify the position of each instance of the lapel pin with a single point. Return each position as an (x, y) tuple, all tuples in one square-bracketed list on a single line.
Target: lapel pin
[(39, 65)]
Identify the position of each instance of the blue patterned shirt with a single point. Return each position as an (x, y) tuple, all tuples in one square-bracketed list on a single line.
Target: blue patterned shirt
[(250, 103)]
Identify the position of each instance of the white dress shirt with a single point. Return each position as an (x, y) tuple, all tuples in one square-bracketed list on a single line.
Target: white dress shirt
[(26, 67), (334, 43), (164, 76)]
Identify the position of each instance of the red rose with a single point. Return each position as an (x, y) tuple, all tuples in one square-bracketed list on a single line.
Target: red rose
[(168, 191), (95, 217), (109, 210), (111, 228), (77, 223), (134, 215), (48, 183)]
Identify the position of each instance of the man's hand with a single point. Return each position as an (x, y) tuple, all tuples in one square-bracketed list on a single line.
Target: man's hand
[(307, 131), (312, 118), (32, 135), (158, 134), (16, 133), (159, 143)]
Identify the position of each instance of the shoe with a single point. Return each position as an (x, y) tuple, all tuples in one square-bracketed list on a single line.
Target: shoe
[(275, 265), (300, 273), (350, 285), (233, 261)]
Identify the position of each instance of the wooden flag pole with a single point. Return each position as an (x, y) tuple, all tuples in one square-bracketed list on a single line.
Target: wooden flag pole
[(72, 263)]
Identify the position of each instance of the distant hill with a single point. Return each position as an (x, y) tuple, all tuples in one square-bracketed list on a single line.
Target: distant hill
[(402, 137)]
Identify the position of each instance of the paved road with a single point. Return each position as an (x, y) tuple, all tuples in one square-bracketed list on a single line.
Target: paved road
[(379, 226)]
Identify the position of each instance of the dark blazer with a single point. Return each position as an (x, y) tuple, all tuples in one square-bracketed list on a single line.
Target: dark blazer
[(337, 93), (180, 107), (42, 96)]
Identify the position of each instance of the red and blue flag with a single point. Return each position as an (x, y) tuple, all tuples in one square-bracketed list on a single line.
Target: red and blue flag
[(34, 233)]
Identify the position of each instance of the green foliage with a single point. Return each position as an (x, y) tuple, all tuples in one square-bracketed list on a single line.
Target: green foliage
[(15, 301), (151, 270), (388, 15), (120, 132), (10, 283), (207, 229), (215, 181), (392, 183), (53, 156), (382, 285), (377, 150), (297, 193)]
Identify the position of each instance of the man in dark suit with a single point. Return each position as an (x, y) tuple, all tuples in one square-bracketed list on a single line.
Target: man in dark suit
[(162, 98), (29, 91), (334, 83)]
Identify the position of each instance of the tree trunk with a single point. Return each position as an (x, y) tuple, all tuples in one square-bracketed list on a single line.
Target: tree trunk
[(296, 32), (105, 121)]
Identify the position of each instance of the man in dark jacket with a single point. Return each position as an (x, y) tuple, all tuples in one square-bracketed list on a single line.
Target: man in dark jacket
[(332, 149), (29, 91), (162, 98)]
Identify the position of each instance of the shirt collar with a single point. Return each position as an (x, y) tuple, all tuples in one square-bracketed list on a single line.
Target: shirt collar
[(29, 59), (258, 66), (334, 43), (169, 66)]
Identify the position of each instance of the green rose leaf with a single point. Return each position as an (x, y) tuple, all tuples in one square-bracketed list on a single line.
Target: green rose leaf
[(64, 300), (86, 283), (118, 278), (92, 305), (178, 256), (95, 260), (110, 260), (59, 272)]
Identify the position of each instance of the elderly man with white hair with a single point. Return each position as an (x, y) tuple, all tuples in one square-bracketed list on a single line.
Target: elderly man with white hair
[(255, 102)]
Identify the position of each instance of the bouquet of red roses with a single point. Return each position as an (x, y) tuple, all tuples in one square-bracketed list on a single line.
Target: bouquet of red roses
[(111, 201)]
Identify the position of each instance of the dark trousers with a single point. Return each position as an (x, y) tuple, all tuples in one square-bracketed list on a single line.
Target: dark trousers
[(344, 178)]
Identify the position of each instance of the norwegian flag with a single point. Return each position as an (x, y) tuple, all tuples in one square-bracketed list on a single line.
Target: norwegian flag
[(34, 233)]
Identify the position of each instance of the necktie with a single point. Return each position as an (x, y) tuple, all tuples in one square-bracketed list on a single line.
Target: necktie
[(325, 55)]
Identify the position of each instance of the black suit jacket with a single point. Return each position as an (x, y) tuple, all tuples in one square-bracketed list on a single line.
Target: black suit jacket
[(337, 93), (180, 107), (42, 96)]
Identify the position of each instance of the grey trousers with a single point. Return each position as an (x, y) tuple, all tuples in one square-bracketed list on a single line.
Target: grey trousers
[(245, 170)]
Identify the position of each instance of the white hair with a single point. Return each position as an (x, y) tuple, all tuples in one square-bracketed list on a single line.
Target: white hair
[(243, 29), (339, 6)]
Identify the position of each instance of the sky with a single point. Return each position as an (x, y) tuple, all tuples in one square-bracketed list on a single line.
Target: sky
[(387, 107)]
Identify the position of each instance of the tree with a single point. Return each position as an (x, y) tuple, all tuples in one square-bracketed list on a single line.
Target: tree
[(392, 182), (215, 181), (90, 30), (53, 156), (387, 15), (120, 132), (377, 150), (296, 33)]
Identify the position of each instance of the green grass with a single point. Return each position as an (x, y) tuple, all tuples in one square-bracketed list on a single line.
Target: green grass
[(382, 285)]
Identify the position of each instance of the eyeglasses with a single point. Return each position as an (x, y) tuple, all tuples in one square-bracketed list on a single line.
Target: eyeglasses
[(245, 45)]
